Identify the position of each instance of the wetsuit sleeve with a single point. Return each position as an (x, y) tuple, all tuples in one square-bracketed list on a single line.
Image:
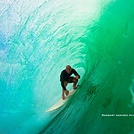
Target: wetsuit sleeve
[(75, 73)]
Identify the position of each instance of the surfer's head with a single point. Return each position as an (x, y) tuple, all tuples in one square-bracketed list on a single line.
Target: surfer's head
[(68, 69)]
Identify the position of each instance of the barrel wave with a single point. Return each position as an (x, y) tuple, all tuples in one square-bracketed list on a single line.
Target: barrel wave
[(38, 39)]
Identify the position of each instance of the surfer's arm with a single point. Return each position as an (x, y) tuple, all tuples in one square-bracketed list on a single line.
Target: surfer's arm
[(76, 74)]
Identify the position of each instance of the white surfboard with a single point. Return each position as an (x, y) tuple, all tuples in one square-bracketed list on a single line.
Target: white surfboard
[(60, 102)]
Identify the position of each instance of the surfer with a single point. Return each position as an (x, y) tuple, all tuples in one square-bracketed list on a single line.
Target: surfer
[(65, 79)]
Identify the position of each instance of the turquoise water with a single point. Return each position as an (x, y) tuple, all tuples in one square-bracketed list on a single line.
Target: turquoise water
[(37, 41)]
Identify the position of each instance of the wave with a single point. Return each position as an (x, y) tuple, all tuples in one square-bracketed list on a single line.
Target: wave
[(94, 37)]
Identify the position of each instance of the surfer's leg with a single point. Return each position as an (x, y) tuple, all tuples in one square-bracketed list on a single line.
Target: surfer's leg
[(63, 96), (65, 91), (74, 83)]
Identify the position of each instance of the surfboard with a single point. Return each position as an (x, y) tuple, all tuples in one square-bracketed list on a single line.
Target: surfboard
[(61, 102)]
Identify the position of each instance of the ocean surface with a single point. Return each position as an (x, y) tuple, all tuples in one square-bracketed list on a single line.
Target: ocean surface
[(39, 38)]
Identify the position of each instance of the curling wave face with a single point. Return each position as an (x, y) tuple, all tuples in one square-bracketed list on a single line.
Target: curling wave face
[(37, 41)]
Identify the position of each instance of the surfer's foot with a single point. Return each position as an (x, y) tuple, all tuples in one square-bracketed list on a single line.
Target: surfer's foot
[(63, 97), (75, 87)]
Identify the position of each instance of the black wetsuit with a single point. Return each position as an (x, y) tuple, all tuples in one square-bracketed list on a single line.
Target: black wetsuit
[(66, 77)]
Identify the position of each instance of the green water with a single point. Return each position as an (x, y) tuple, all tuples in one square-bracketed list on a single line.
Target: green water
[(37, 41)]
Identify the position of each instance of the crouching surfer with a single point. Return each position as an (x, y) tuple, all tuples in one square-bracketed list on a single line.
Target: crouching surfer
[(66, 78)]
